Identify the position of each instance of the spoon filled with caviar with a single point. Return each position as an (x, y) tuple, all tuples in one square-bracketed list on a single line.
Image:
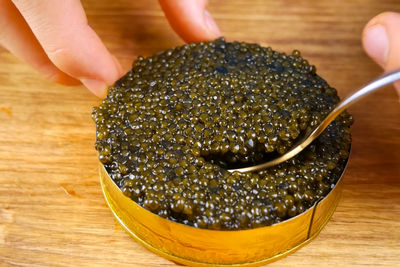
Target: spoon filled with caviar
[(312, 132)]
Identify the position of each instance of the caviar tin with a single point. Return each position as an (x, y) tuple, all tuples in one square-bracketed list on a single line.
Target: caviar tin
[(203, 247)]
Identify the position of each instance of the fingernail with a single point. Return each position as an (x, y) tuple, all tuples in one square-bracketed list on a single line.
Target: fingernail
[(97, 87), (376, 43), (211, 25), (118, 65)]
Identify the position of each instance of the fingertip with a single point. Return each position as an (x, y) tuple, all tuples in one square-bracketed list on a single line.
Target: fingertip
[(97, 87), (118, 66), (376, 43), (212, 27), (70, 43), (381, 39), (190, 20)]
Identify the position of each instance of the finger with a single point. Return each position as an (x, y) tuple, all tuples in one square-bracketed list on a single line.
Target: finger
[(381, 41), (62, 30), (190, 19), (16, 37)]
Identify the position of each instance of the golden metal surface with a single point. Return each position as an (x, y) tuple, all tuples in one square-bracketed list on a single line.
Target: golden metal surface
[(202, 247)]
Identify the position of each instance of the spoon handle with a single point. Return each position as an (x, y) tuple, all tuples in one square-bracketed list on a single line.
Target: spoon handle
[(312, 134), (384, 79)]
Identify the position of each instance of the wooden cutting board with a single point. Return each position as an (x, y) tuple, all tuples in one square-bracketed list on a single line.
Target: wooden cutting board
[(52, 212)]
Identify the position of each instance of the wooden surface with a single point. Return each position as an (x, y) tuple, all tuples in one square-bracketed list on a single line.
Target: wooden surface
[(52, 212)]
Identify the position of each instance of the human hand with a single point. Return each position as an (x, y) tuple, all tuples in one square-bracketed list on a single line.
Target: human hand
[(381, 41), (55, 38)]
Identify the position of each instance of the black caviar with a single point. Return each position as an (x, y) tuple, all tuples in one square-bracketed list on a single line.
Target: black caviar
[(168, 130)]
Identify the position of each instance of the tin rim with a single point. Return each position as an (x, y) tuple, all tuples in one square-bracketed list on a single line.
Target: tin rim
[(199, 247)]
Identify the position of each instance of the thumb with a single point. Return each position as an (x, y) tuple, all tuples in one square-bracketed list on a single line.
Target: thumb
[(381, 41), (190, 19)]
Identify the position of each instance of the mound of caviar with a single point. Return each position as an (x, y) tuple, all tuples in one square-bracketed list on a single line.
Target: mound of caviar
[(169, 129)]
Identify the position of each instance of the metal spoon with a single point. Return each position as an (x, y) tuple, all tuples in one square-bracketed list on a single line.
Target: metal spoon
[(313, 133)]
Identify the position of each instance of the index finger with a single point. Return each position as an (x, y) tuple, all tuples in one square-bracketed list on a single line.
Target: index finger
[(190, 19), (62, 30)]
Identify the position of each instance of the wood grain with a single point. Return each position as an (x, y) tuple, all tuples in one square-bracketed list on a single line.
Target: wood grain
[(52, 212)]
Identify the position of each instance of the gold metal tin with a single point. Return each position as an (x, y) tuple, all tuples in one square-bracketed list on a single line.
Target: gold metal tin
[(202, 247)]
